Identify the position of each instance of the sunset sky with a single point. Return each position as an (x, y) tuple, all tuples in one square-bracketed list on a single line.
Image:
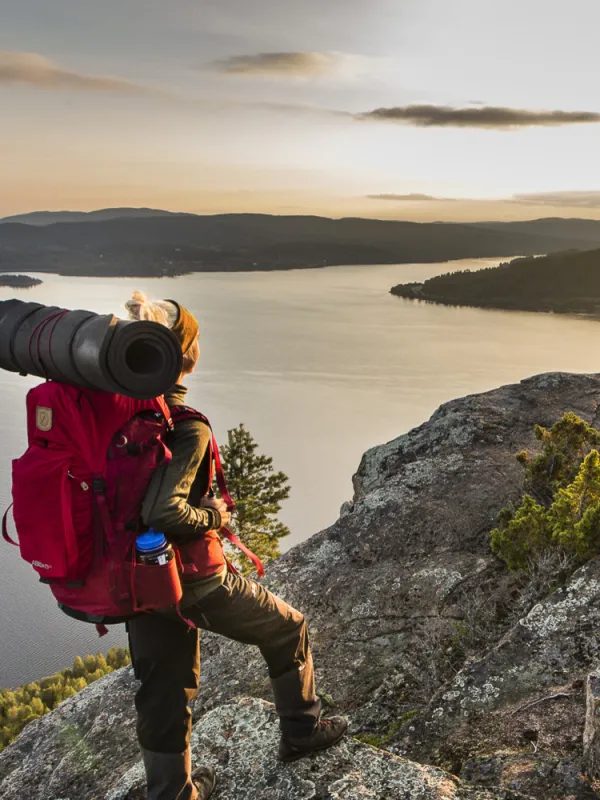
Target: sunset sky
[(405, 109)]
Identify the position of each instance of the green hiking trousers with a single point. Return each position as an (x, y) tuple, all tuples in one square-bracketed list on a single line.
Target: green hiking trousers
[(166, 659)]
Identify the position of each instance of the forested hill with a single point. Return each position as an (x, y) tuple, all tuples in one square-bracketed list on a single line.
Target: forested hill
[(177, 244), (573, 228), (562, 282)]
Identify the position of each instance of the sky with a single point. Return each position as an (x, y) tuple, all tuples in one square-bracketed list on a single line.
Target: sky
[(400, 109)]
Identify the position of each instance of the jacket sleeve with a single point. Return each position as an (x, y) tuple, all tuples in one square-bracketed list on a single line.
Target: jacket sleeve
[(166, 507)]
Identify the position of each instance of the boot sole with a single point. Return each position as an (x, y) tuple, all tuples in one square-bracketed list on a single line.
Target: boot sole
[(305, 753), (212, 791)]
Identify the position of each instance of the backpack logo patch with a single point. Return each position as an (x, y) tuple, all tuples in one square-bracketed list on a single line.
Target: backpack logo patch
[(43, 418), (40, 565)]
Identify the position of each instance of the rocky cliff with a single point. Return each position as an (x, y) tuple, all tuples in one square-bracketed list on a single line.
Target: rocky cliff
[(444, 663)]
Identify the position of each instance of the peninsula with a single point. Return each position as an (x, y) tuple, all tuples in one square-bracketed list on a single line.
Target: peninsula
[(566, 283)]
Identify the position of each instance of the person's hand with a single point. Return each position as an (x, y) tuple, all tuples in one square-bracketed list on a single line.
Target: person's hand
[(214, 502), (225, 518), (219, 505)]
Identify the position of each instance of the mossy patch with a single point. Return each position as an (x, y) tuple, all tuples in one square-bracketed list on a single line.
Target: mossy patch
[(394, 727)]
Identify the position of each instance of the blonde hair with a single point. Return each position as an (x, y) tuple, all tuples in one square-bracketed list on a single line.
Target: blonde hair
[(140, 307)]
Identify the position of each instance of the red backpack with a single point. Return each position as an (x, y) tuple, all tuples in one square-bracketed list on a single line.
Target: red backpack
[(77, 496)]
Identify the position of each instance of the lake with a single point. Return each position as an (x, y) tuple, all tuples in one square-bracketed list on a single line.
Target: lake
[(320, 365)]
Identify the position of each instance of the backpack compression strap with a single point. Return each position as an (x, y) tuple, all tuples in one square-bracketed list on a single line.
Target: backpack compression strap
[(181, 413), (5, 534)]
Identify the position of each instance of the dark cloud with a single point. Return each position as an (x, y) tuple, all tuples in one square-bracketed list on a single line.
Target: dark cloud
[(428, 116), (299, 64), (31, 69), (574, 199), (410, 198)]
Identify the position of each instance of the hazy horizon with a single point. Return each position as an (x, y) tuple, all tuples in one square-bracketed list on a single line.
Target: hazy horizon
[(396, 109), (168, 211)]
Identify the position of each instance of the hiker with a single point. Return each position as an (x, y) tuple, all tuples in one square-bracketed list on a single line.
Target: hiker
[(165, 649)]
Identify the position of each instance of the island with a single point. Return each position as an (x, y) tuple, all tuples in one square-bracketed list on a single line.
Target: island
[(565, 282), (19, 281)]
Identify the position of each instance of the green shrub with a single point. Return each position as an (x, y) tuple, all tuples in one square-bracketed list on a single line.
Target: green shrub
[(560, 507)]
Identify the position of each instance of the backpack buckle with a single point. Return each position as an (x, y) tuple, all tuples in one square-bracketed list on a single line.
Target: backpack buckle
[(98, 485)]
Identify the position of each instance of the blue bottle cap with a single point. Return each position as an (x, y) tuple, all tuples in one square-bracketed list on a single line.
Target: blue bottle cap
[(150, 541)]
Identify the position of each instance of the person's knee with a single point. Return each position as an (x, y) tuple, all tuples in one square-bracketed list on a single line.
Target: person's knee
[(297, 622), (294, 633), (171, 735)]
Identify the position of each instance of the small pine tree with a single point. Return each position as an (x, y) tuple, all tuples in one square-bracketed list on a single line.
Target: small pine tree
[(524, 535), (78, 667), (575, 512), (560, 512), (258, 491), (118, 657), (79, 684), (37, 707), (564, 446), (91, 663)]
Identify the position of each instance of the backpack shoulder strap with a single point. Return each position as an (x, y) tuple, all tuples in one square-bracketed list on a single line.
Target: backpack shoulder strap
[(183, 413)]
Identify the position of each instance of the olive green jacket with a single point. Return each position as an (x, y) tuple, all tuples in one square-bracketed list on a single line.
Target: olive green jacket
[(172, 501)]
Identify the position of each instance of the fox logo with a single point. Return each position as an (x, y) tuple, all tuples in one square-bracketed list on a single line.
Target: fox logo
[(43, 418)]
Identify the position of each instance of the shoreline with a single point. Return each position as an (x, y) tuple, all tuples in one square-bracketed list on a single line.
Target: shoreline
[(491, 305)]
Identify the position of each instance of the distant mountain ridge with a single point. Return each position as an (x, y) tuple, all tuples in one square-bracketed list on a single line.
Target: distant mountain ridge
[(155, 243), (554, 226), (50, 217)]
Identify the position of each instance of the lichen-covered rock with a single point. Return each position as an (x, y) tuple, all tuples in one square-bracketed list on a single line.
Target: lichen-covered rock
[(525, 696), (384, 591), (76, 750), (240, 739), (591, 733)]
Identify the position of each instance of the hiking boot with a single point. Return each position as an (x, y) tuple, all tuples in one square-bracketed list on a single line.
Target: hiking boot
[(204, 779), (327, 733), (170, 775)]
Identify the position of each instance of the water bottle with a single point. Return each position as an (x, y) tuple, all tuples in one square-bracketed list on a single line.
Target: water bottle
[(153, 549)]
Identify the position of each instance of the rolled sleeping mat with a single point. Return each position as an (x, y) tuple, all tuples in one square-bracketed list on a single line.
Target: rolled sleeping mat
[(139, 359)]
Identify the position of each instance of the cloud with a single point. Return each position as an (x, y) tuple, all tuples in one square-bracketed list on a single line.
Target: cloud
[(571, 199), (36, 71), (490, 117), (291, 65), (566, 199), (31, 69), (411, 198)]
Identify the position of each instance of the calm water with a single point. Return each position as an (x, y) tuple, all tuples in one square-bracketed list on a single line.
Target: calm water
[(320, 365)]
